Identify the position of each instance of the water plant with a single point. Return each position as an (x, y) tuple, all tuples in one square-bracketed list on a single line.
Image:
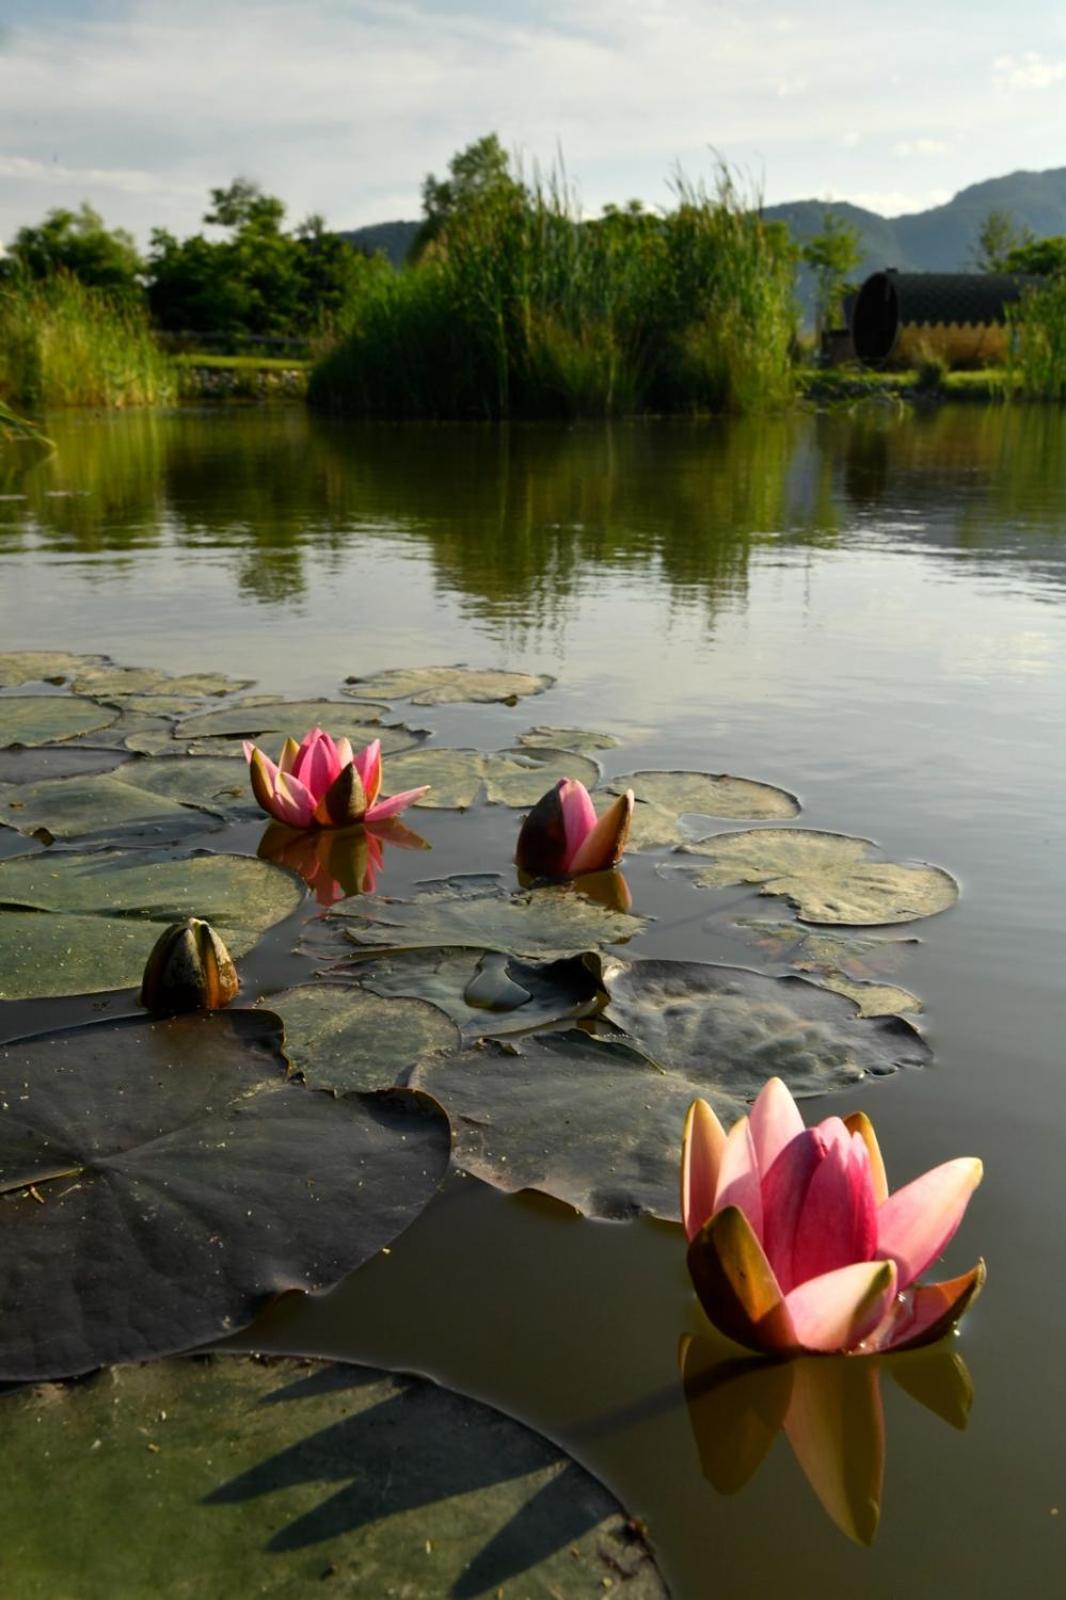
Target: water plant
[(1037, 345), (562, 837), (321, 783)]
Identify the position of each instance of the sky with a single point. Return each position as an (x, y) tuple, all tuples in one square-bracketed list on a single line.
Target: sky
[(342, 106)]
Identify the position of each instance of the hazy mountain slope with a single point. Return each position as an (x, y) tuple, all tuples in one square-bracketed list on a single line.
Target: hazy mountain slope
[(392, 238)]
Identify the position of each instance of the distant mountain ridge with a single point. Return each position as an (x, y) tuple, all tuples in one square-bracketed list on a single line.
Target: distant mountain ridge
[(941, 239)]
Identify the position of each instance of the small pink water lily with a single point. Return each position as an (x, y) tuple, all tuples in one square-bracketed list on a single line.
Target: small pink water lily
[(795, 1243), (562, 837), (320, 783)]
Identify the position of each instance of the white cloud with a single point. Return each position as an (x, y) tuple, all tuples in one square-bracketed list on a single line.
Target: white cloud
[(920, 147), (1029, 71), (896, 202)]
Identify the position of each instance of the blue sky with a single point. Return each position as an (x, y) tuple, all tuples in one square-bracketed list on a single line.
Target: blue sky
[(341, 106)]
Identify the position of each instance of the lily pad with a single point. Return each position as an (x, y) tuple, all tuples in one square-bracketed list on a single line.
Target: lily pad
[(100, 807), (827, 877), (216, 785), (507, 777), (439, 686), (78, 924), (42, 666), (160, 1180), (392, 736), (844, 962), (234, 1476), (47, 718), (108, 680), (536, 923), (872, 999), (664, 797), (343, 1038), (277, 720), (58, 761), (487, 993), (584, 740)]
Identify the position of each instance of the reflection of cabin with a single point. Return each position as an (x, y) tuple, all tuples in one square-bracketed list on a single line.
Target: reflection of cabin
[(901, 318)]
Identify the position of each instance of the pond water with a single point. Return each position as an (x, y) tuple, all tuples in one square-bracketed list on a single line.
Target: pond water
[(867, 609)]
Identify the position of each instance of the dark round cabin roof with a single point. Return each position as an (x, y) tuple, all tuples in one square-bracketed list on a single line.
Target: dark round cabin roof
[(889, 301)]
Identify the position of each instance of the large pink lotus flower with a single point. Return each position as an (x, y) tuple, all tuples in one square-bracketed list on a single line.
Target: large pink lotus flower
[(562, 837), (795, 1243), (320, 783)]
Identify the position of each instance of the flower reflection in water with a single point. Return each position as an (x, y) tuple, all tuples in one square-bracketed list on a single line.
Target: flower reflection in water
[(829, 1409), (337, 862)]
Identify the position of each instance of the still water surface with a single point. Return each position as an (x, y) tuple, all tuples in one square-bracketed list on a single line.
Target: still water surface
[(867, 609)]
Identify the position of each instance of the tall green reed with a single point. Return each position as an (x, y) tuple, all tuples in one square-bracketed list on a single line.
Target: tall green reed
[(1036, 358)]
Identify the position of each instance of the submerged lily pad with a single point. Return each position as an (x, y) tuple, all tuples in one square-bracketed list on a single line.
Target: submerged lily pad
[(584, 740), (664, 797), (48, 718), (280, 1478), (99, 806), (828, 877), (340, 1037), (438, 686), (108, 680), (277, 720), (160, 1180), (535, 923), (508, 777), (78, 924), (42, 666)]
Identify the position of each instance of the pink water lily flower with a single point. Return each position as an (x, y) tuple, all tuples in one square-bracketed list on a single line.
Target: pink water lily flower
[(562, 837), (320, 783), (795, 1243)]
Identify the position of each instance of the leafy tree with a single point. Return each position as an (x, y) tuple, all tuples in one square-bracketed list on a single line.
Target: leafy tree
[(1044, 257), (831, 254), (480, 173), (79, 243), (997, 237)]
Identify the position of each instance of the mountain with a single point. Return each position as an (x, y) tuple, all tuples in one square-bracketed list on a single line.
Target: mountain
[(391, 238)]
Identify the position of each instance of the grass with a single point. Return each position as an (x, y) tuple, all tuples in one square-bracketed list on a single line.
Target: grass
[(1037, 347), (849, 383), (520, 308), (62, 344)]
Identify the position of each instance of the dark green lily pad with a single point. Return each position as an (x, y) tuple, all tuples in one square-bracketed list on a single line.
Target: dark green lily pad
[(171, 706), (108, 680), (585, 740), (78, 924), (56, 761), (129, 731), (34, 719), (277, 720), (216, 785), (664, 797), (507, 777), (538, 924), (42, 666), (439, 686), (487, 993), (341, 1037), (827, 877), (280, 1479), (845, 962), (160, 1180), (100, 807)]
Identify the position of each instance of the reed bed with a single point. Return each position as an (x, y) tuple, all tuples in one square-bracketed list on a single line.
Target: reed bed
[(1036, 360)]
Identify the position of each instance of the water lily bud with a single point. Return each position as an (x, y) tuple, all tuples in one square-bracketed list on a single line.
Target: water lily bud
[(189, 969)]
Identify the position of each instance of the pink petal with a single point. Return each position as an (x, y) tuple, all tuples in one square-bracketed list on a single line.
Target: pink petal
[(775, 1122), (395, 803), (701, 1154), (784, 1189), (318, 764), (368, 766), (579, 816), (292, 802), (738, 1177), (838, 1223), (836, 1311), (927, 1311), (344, 752), (917, 1222), (605, 846)]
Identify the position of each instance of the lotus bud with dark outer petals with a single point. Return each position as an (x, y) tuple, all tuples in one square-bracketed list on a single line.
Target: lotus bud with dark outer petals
[(189, 969), (321, 783), (795, 1243), (562, 837)]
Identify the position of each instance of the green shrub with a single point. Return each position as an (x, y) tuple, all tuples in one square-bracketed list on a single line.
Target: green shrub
[(1037, 348)]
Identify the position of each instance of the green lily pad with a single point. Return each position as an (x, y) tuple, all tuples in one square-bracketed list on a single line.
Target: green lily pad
[(159, 1181), (171, 706), (42, 666), (538, 924), (231, 1476), (507, 777), (78, 924), (127, 732), (439, 686), (277, 720), (846, 962), (98, 806), (827, 877), (585, 740), (664, 797), (109, 680), (216, 785), (872, 999), (342, 1038), (56, 761), (47, 718), (487, 993)]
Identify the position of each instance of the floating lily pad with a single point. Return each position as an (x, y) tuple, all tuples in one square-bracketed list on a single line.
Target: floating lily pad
[(392, 736), (42, 666), (128, 731), (46, 718), (233, 1476), (508, 777), (58, 761), (217, 785), (277, 720), (828, 877), (146, 680), (101, 807), (814, 949), (340, 1037), (78, 924), (584, 740), (438, 686), (173, 706), (664, 797), (160, 1180), (872, 999), (487, 993), (543, 923)]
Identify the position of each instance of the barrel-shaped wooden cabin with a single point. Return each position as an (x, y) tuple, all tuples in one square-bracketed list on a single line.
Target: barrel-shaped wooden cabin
[(901, 318)]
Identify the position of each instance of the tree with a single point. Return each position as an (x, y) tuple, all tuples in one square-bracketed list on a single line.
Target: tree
[(1046, 258), (831, 255), (78, 242), (480, 173), (996, 238)]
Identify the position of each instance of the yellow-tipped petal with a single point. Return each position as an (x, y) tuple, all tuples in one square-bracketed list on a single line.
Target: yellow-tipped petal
[(605, 845), (289, 751), (858, 1122), (736, 1285), (701, 1153)]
